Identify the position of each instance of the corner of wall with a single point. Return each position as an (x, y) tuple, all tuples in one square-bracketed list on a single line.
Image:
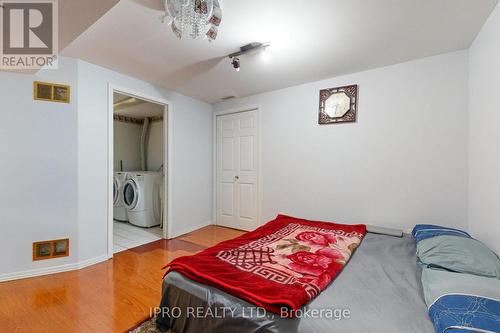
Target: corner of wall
[(483, 135)]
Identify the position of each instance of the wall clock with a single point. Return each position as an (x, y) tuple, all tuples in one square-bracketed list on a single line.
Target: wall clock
[(338, 105)]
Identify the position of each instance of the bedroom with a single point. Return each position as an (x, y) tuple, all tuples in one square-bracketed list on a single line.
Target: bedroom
[(422, 148)]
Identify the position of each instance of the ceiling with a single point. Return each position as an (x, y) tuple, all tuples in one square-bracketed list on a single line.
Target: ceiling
[(310, 40), (74, 17), (135, 108)]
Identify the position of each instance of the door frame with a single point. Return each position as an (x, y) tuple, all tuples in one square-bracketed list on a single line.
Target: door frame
[(216, 114), (167, 158)]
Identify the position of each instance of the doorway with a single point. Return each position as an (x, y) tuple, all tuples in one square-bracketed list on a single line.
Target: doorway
[(237, 182), (138, 170)]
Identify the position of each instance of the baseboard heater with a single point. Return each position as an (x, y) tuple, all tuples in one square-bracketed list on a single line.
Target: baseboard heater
[(377, 230)]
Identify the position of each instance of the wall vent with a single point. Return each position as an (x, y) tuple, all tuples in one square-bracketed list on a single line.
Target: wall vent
[(43, 91), (51, 249)]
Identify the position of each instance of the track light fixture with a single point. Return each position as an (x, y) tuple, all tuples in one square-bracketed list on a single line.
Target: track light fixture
[(236, 64), (235, 61)]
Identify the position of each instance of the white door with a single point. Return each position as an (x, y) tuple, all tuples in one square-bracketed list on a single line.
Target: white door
[(237, 170)]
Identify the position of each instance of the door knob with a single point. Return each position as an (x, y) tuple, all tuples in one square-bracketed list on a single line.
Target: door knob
[(236, 177)]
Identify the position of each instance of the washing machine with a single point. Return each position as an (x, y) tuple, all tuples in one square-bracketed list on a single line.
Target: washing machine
[(119, 210), (141, 196)]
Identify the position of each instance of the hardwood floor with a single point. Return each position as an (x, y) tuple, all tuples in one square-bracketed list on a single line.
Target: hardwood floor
[(108, 297)]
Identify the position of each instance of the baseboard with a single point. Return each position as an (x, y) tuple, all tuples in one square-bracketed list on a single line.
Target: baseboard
[(92, 261), (190, 229), (52, 270)]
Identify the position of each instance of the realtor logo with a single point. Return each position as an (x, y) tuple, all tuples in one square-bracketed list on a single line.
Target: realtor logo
[(29, 34)]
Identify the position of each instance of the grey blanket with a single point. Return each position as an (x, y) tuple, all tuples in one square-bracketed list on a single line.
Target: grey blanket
[(378, 291)]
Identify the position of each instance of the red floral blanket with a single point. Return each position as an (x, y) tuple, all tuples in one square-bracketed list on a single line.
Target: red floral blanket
[(285, 263)]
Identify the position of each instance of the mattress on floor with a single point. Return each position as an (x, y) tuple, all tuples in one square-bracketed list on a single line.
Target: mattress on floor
[(378, 291)]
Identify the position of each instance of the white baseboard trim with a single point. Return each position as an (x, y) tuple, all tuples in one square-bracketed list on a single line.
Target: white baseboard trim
[(92, 261), (190, 229), (52, 270)]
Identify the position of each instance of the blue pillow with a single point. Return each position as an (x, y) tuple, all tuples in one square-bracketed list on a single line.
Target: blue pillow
[(458, 254), (424, 231), (437, 283), (465, 313)]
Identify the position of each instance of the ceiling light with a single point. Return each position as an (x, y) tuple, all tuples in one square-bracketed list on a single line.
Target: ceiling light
[(197, 18), (236, 64), (249, 48), (265, 55), (235, 61)]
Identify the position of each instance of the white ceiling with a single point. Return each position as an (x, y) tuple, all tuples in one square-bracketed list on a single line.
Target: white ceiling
[(74, 17), (135, 108), (310, 40)]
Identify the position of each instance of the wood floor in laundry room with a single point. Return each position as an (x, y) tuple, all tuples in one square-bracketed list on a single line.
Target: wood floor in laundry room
[(108, 297)]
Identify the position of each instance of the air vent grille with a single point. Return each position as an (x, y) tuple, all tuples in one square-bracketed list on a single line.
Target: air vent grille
[(51, 249), (51, 92)]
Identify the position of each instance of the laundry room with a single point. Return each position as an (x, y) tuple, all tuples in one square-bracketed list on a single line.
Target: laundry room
[(139, 169)]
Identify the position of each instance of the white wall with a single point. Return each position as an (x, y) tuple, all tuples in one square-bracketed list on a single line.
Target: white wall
[(39, 169), (55, 165), (190, 164), (127, 146), (403, 162), (484, 133)]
